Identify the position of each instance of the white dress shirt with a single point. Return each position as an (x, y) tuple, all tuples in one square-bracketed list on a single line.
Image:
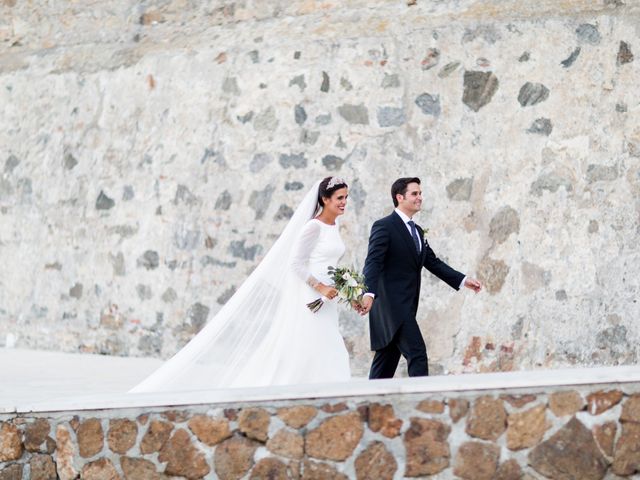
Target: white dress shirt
[(406, 221)]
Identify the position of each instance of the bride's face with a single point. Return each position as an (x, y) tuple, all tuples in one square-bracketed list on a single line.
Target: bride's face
[(338, 202)]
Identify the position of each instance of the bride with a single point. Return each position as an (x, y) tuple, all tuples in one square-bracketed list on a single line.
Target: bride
[(265, 334)]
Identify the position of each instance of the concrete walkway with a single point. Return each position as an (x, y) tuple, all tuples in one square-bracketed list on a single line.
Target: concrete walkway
[(28, 376), (43, 381)]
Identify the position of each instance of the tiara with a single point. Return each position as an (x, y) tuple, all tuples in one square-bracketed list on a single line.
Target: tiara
[(335, 181)]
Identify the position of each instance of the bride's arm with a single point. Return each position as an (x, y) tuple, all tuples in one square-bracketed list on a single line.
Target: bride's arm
[(302, 251), (305, 244)]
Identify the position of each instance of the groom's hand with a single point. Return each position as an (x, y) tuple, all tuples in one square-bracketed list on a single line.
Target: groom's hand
[(367, 303), (473, 284)]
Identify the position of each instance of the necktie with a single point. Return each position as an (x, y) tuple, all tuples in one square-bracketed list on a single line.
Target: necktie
[(414, 234)]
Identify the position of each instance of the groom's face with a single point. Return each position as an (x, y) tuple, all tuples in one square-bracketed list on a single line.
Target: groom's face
[(411, 201)]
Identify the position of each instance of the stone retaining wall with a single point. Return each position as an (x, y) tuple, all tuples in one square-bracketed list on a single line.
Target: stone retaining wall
[(584, 433), (151, 152)]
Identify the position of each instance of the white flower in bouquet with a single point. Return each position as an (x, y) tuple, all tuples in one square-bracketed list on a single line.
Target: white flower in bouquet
[(351, 282)]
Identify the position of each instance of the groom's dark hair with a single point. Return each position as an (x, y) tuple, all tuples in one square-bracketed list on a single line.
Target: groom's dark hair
[(399, 187)]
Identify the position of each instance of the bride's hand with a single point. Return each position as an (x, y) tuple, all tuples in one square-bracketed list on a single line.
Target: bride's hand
[(357, 306), (327, 291)]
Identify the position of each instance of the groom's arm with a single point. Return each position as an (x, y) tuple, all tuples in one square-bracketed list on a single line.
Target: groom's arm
[(444, 272), (378, 246)]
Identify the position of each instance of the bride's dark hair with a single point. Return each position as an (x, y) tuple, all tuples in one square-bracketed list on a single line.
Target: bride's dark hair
[(327, 187)]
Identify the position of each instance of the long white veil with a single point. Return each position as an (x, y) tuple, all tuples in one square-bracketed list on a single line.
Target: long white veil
[(245, 327)]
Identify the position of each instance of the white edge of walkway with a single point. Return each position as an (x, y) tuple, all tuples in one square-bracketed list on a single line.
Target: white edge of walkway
[(358, 387)]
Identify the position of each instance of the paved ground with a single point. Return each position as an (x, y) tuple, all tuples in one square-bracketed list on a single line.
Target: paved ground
[(30, 375), (32, 380)]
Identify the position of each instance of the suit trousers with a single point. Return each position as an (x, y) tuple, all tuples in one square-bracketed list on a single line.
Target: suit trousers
[(407, 342)]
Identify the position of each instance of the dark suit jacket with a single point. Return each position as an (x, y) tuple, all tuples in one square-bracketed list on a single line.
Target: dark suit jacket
[(392, 273)]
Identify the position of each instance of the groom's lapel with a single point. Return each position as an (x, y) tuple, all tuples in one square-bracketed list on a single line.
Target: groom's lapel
[(404, 233), (424, 244)]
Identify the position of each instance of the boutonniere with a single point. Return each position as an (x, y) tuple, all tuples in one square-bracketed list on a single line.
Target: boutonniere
[(425, 232)]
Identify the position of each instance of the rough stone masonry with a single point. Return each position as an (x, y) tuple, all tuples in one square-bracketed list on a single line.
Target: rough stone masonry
[(592, 432), (151, 152)]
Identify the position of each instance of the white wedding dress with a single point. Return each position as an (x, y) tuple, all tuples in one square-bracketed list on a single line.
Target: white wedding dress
[(265, 334), (312, 349)]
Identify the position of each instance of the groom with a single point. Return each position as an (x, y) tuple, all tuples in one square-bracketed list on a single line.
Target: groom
[(397, 253)]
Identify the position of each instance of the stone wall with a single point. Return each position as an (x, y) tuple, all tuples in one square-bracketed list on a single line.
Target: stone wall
[(591, 432), (151, 153)]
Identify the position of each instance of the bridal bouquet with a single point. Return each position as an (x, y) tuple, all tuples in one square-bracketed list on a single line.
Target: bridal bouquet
[(349, 283)]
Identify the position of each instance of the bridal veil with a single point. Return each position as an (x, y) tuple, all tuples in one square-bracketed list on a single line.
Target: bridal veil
[(247, 327)]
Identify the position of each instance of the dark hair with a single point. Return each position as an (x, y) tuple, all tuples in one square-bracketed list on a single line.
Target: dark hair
[(324, 191), (399, 187)]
